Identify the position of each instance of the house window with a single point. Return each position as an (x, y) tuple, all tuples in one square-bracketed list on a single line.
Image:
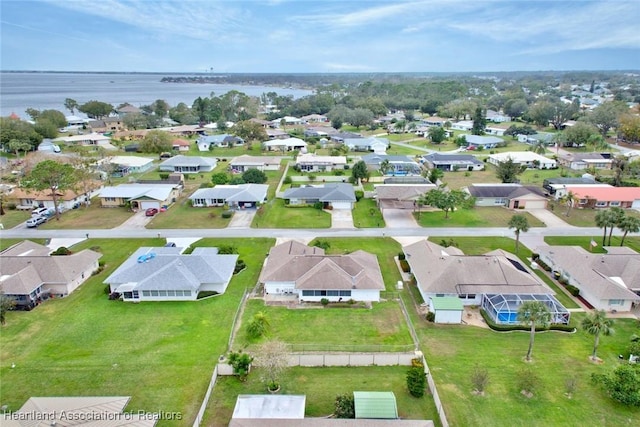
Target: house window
[(345, 293), (614, 203), (582, 202), (154, 293), (500, 202), (171, 293), (333, 293), (146, 293), (186, 293), (307, 293), (616, 302), (199, 201), (601, 204), (162, 293), (439, 295), (135, 295), (109, 199)]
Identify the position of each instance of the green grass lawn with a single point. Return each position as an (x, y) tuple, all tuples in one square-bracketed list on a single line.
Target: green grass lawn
[(161, 354), (274, 214), (182, 215), (459, 179), (453, 351), (581, 217), (93, 216), (366, 214), (478, 217), (321, 386), (323, 328), (12, 218), (397, 150), (631, 241)]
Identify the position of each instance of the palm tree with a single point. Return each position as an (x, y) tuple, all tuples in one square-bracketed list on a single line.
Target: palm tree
[(520, 224), (617, 215), (605, 219), (628, 224), (597, 323), (385, 167), (569, 199), (533, 313)]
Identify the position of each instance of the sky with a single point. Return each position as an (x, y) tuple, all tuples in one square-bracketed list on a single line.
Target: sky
[(322, 36)]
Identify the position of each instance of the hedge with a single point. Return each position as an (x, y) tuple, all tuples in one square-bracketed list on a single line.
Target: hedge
[(506, 328), (404, 265)]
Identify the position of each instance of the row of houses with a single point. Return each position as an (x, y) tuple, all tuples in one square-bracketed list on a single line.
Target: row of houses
[(497, 281)]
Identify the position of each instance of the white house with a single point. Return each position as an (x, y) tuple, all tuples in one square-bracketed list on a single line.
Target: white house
[(92, 139), (294, 268), (286, 144), (188, 164), (242, 196), (165, 274), (262, 163), (377, 145), (464, 125), (310, 162), (525, 158)]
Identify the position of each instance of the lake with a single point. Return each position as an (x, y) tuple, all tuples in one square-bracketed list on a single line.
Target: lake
[(44, 91)]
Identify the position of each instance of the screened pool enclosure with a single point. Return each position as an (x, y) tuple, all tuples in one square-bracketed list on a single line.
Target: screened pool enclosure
[(503, 308)]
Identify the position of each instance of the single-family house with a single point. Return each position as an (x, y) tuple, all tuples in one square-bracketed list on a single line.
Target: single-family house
[(180, 145), (287, 120), (314, 118), (601, 196), (80, 411), (400, 196), (263, 163), (512, 196), (287, 144), (188, 164), (276, 134), (340, 137), (310, 162), (124, 165), (453, 162), (377, 145), (463, 125), (319, 131), (264, 123), (127, 109), (92, 139), (108, 124), (219, 141), (185, 130), (498, 281), (334, 195), (271, 409), (165, 274), (75, 121), (555, 185), (26, 199), (609, 282), (48, 146), (396, 165), (294, 268), (496, 129), (434, 121), (544, 138), (241, 196), (582, 161), (140, 196), (29, 275), (131, 135), (524, 158), (496, 117), (481, 142)]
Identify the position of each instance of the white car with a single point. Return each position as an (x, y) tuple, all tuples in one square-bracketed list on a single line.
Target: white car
[(36, 221)]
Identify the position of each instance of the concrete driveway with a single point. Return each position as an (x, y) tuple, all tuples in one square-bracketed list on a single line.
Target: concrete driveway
[(341, 218), (551, 220), (137, 221), (399, 218), (242, 218)]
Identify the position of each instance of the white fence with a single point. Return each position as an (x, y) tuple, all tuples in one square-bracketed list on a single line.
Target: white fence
[(205, 401)]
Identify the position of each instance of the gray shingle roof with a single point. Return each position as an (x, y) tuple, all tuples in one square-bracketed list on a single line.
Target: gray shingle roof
[(508, 191), (333, 192), (439, 159), (233, 193), (181, 160), (402, 191)]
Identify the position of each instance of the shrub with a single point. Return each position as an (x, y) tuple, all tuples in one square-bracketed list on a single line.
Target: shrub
[(528, 380), (227, 249), (322, 244), (506, 328), (164, 175), (258, 325), (324, 302), (227, 214), (241, 362), (401, 256), (622, 385), (345, 406), (318, 205), (11, 206), (479, 378), (431, 317), (573, 290), (240, 265), (61, 251), (338, 172), (359, 195), (404, 265), (417, 363), (287, 180), (416, 381)]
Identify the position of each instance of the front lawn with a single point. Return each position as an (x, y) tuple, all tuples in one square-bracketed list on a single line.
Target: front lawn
[(581, 217), (182, 215), (13, 217), (381, 328), (585, 242), (161, 354), (453, 351), (477, 217), (90, 217), (366, 214), (275, 214), (321, 386)]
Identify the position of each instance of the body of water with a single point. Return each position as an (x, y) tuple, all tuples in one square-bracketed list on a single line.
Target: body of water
[(44, 91)]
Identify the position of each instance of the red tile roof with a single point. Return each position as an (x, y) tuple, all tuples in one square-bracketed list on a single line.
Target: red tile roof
[(606, 194)]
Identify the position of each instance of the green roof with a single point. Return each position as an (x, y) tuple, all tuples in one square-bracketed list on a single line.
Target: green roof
[(447, 303), (375, 404)]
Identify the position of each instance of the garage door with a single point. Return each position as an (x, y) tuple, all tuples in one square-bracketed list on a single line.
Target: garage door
[(149, 204), (536, 204), (341, 205), (636, 204)]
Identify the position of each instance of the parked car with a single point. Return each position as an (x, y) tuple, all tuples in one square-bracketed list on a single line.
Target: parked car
[(36, 221), (151, 212), (170, 245)]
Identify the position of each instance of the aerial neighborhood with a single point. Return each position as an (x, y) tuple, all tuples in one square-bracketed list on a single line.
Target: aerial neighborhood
[(357, 253)]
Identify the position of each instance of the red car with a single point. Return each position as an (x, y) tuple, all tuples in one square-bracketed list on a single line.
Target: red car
[(151, 212)]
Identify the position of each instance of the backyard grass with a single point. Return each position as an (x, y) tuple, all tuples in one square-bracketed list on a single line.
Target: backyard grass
[(453, 351), (161, 354), (321, 386), (381, 328), (12, 218), (366, 214), (398, 150), (477, 217), (275, 214), (459, 179)]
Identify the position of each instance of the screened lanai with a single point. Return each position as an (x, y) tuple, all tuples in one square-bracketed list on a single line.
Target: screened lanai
[(503, 308)]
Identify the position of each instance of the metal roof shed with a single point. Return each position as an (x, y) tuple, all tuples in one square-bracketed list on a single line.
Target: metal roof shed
[(375, 404), (447, 309)]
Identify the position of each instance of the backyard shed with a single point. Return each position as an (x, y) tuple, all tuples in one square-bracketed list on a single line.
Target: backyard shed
[(446, 309), (375, 404)]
